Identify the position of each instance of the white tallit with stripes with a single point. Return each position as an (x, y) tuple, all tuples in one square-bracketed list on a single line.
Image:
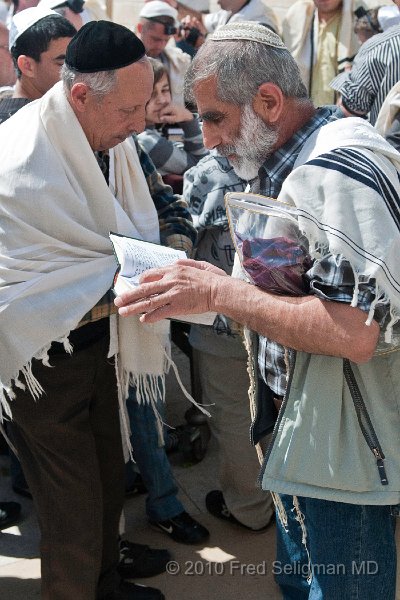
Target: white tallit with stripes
[(345, 185), (56, 260)]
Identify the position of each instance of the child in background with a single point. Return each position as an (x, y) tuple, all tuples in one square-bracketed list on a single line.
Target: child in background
[(170, 157)]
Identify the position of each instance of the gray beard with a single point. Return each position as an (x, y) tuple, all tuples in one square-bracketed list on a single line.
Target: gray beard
[(252, 147)]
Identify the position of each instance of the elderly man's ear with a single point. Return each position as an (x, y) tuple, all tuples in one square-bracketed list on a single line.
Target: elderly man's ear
[(79, 96), (269, 103)]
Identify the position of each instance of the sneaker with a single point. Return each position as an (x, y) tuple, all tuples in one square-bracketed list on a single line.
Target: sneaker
[(10, 513), (216, 506), (138, 560), (134, 591), (183, 528)]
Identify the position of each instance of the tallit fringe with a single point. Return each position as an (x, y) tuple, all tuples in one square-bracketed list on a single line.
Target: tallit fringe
[(7, 394), (32, 383), (123, 411), (280, 509), (394, 318), (300, 519), (354, 300), (171, 363), (252, 386), (150, 389), (319, 249)]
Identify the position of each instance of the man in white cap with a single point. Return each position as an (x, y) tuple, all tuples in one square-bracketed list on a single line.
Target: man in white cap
[(38, 42), (231, 11), (325, 353), (156, 27)]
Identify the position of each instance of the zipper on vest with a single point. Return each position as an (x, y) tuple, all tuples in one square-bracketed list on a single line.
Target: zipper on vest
[(292, 362), (364, 421)]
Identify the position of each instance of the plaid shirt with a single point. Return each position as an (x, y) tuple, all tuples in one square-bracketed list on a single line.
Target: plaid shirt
[(176, 228), (330, 278)]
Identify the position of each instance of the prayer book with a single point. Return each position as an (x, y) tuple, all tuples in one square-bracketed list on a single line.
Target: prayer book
[(134, 257)]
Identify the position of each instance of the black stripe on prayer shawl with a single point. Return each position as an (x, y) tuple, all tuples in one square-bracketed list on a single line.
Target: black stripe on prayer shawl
[(369, 174), (387, 190), (359, 167)]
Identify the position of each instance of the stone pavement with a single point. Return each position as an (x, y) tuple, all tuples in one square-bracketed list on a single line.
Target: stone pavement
[(234, 564)]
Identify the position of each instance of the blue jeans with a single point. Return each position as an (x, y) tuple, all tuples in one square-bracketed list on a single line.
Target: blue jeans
[(150, 456), (352, 550)]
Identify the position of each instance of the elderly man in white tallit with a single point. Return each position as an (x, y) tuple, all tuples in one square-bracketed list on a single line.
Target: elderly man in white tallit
[(59, 339)]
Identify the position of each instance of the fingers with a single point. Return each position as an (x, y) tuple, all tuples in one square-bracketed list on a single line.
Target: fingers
[(200, 264), (141, 307), (141, 293), (190, 262), (164, 312)]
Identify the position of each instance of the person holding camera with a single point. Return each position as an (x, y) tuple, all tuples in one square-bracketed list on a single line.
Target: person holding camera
[(231, 11), (158, 23), (77, 12)]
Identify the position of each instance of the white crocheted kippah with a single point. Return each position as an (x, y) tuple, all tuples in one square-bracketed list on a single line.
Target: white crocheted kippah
[(247, 30)]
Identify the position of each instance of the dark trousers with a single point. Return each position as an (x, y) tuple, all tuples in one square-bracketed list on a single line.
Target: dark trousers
[(69, 444)]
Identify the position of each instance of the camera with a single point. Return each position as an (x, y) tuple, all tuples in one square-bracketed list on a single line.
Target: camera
[(189, 34)]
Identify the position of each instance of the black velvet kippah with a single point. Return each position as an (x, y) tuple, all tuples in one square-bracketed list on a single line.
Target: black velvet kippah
[(103, 46)]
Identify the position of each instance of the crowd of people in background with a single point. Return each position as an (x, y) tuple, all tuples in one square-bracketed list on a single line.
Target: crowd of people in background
[(143, 131)]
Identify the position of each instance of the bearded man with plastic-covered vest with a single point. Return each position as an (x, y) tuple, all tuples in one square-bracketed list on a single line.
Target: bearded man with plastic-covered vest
[(326, 359)]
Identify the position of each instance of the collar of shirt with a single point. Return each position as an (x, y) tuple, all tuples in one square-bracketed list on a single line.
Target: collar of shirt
[(277, 167)]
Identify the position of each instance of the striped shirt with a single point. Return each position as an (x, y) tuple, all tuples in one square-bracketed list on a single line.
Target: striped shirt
[(330, 278), (375, 70)]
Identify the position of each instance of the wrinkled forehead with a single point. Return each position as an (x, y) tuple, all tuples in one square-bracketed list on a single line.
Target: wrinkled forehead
[(135, 79)]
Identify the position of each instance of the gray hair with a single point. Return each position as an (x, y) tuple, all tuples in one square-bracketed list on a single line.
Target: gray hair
[(100, 83), (240, 67)]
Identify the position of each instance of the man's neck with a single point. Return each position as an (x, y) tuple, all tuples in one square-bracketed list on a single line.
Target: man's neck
[(296, 117), (240, 7), (26, 89), (324, 17)]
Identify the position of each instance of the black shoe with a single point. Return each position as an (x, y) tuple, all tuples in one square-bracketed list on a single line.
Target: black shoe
[(134, 591), (183, 528), (138, 560), (9, 514), (215, 504), (22, 491)]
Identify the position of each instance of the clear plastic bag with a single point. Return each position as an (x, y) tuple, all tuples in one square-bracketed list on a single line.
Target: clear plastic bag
[(272, 251)]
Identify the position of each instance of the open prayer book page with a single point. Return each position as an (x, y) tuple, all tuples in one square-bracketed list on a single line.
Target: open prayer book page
[(134, 257)]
